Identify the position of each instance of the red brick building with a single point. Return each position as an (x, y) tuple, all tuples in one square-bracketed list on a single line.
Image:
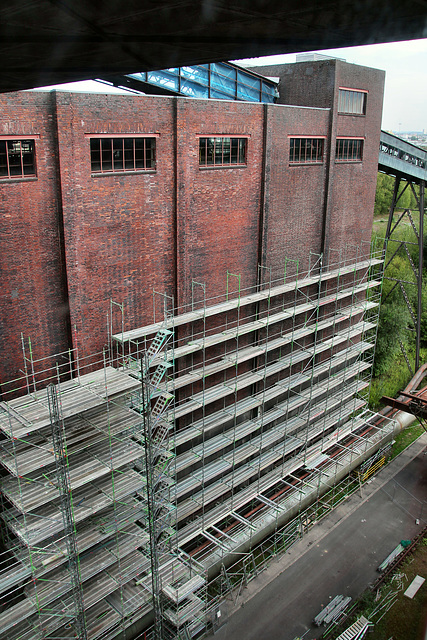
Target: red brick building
[(111, 196)]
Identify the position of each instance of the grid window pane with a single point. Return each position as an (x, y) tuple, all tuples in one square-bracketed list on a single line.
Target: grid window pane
[(3, 159), (139, 154), (349, 150), (129, 154), (107, 154), (242, 151), (95, 155), (150, 153), (226, 151), (353, 102), (234, 157), (306, 150), (222, 152), (17, 158), (117, 155)]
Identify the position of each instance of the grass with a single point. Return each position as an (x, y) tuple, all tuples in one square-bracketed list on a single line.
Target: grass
[(406, 619), (405, 438), (393, 381)]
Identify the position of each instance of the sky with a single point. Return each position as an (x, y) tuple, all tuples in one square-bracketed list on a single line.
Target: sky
[(405, 64)]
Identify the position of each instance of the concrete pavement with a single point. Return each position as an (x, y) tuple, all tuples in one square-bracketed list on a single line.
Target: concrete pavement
[(339, 555)]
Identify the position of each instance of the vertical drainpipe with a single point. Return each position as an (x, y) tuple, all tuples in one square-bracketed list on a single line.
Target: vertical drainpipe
[(263, 205), (327, 200), (175, 202), (61, 226), (329, 171), (262, 220)]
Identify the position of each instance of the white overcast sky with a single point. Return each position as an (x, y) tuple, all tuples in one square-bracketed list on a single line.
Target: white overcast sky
[(405, 64)]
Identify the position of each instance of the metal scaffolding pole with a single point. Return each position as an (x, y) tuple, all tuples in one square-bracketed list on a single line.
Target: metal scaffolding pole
[(151, 502), (66, 501)]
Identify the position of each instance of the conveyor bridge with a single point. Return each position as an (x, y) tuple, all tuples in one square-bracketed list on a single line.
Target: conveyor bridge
[(402, 159)]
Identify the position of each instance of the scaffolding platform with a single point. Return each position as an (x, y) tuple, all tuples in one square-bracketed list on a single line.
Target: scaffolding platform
[(182, 447), (230, 305), (30, 413)]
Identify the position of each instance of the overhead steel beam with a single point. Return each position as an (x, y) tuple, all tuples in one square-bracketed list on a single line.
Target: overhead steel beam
[(50, 41)]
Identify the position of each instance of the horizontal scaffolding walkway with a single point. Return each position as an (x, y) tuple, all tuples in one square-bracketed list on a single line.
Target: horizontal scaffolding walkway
[(256, 406)]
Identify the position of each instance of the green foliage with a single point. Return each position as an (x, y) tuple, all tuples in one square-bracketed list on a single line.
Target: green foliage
[(406, 437), (395, 378), (384, 196), (394, 321), (396, 325), (390, 371)]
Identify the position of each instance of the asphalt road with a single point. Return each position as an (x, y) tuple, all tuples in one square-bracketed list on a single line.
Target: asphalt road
[(340, 555)]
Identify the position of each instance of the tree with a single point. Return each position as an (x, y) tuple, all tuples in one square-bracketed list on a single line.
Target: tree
[(392, 328)]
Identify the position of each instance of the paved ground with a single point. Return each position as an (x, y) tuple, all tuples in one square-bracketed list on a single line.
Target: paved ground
[(339, 555)]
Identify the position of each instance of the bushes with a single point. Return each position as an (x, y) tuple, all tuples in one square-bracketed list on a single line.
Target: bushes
[(392, 328), (396, 325), (384, 196)]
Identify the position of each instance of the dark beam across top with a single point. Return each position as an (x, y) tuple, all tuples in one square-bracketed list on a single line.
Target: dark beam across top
[(50, 41)]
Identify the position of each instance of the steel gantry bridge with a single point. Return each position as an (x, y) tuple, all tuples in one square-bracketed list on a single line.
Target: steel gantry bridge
[(402, 159)]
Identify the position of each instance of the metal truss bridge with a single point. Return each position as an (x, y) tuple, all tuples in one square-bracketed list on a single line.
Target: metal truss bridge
[(402, 159)]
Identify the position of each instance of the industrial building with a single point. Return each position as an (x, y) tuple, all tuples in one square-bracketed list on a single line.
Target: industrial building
[(202, 270)]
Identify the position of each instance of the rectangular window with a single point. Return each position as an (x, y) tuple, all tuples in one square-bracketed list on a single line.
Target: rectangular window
[(222, 152), (349, 150), (352, 102), (117, 155), (17, 159), (306, 150)]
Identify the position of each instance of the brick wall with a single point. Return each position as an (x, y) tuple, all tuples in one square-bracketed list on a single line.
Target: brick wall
[(354, 184), (294, 194), (350, 187), (218, 207), (33, 296), (119, 228), (72, 240)]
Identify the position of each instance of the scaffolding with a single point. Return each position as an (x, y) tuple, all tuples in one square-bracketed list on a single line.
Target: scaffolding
[(139, 475)]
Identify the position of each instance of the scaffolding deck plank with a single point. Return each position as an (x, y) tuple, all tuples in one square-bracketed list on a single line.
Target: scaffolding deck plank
[(47, 521), (57, 583), (244, 328), (245, 380), (247, 353), (239, 500), (223, 307), (36, 489), (129, 599), (213, 445), (43, 559), (208, 424), (98, 620), (35, 451), (24, 415), (265, 459)]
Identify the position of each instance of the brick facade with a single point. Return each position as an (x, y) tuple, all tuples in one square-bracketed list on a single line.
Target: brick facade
[(71, 240)]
